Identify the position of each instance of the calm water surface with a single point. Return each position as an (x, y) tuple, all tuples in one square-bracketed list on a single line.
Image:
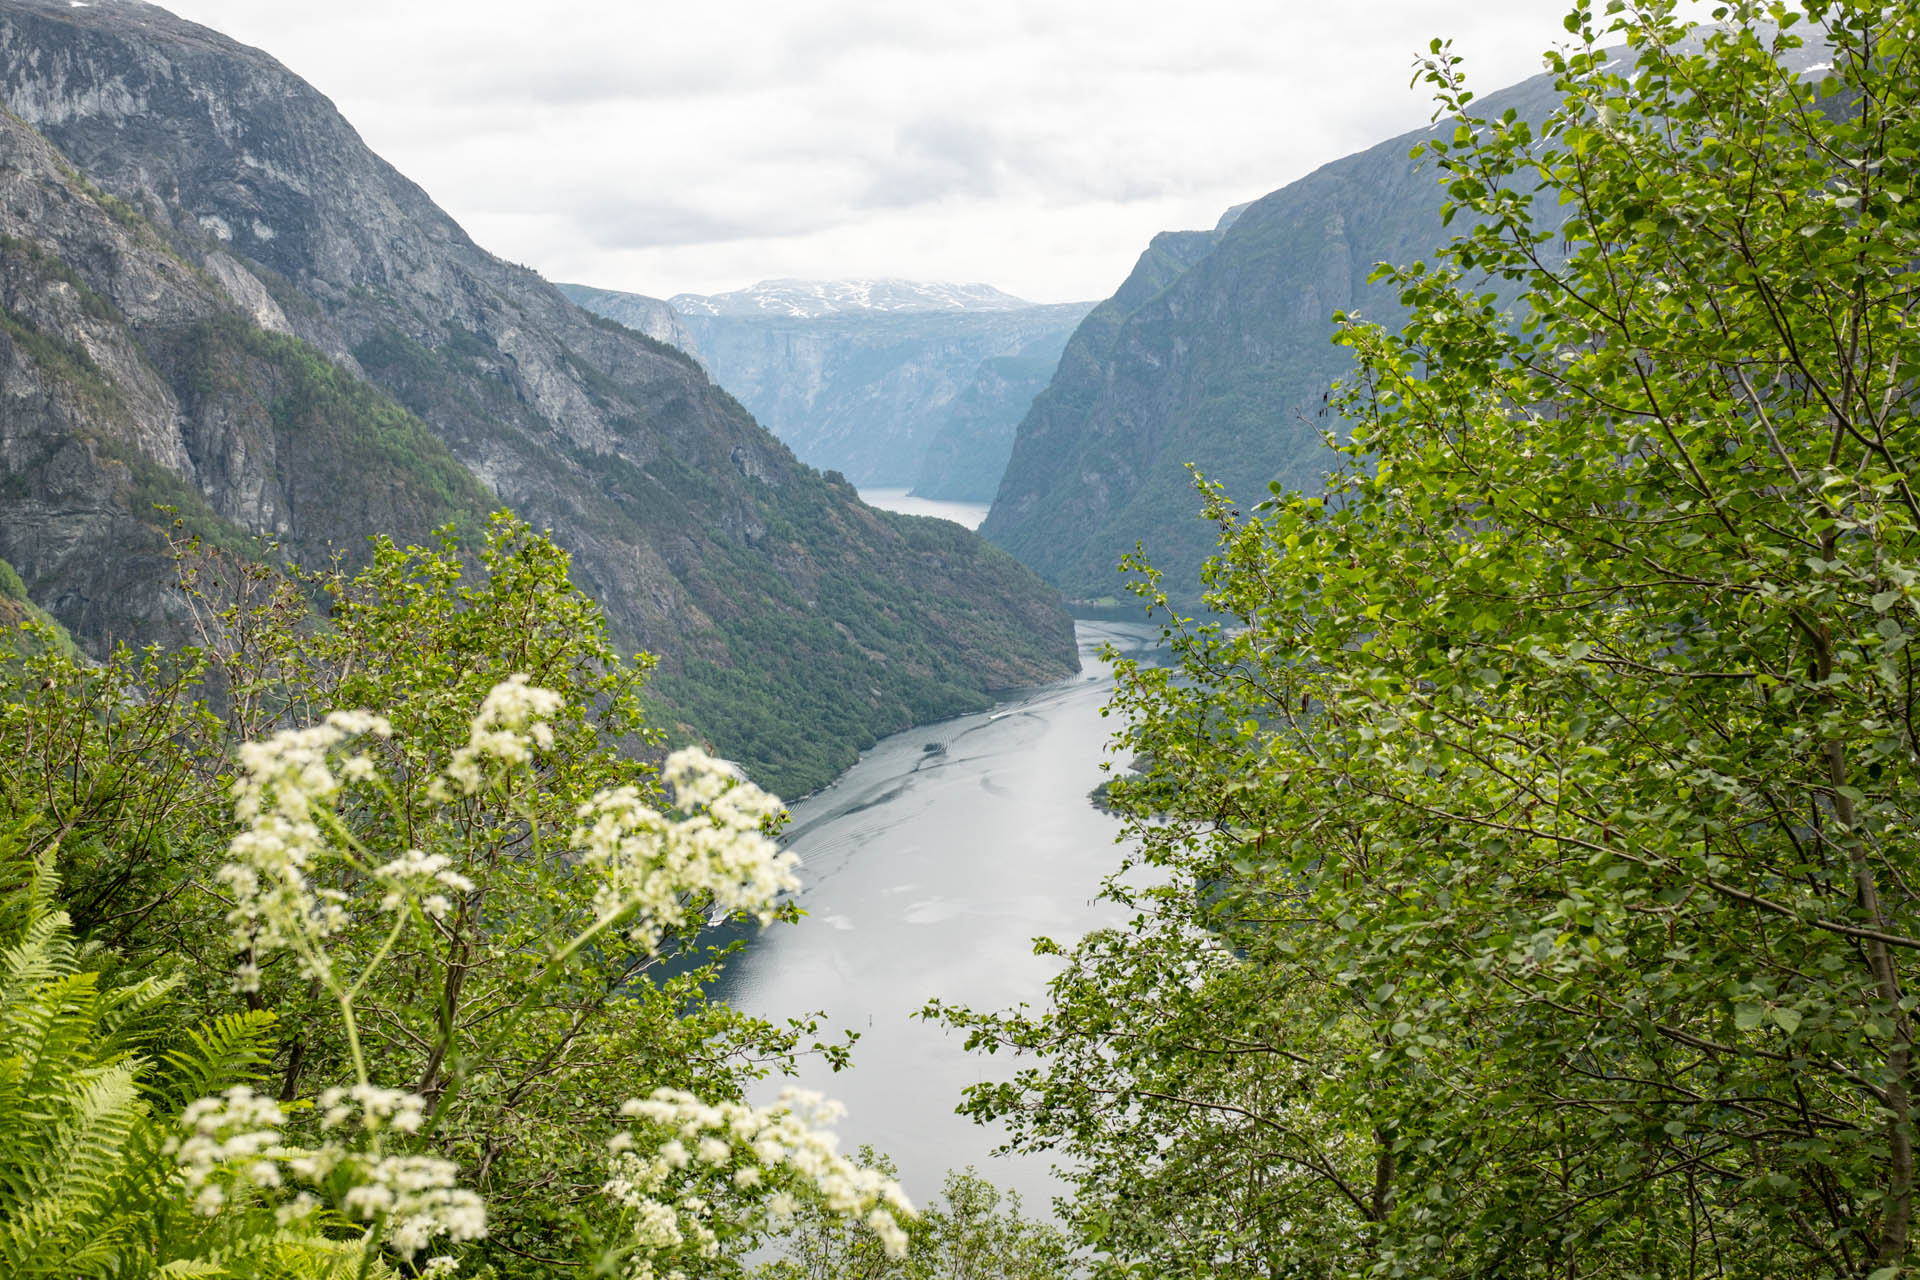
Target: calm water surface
[(969, 514), (929, 867)]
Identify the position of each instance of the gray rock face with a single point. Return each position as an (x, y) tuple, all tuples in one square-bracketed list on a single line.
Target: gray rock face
[(120, 388), (1215, 352), (968, 451), (811, 299), (217, 297), (651, 316), (890, 382)]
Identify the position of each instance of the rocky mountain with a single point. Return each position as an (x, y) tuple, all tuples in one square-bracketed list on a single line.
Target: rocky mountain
[(892, 383), (970, 445), (651, 316), (1215, 352), (812, 299), (215, 298)]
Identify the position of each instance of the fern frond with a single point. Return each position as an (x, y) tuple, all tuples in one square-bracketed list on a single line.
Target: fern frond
[(252, 1243), (129, 1013), (89, 1189), (44, 951), (230, 1050), (305, 1258), (29, 885), (64, 1178)]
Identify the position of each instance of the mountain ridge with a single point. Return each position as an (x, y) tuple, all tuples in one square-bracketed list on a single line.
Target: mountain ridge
[(812, 299), (217, 296), (1217, 352), (891, 383)]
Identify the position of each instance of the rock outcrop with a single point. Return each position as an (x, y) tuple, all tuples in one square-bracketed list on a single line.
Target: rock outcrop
[(893, 383), (1215, 352), (217, 299)]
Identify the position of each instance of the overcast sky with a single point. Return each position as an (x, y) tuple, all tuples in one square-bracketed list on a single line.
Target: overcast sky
[(703, 145)]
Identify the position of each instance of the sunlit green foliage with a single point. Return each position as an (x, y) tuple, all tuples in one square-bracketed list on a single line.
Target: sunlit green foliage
[(118, 774), (973, 1231), (92, 1079), (1533, 845)]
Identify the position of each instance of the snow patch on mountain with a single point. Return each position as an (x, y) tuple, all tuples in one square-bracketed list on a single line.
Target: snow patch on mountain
[(814, 298)]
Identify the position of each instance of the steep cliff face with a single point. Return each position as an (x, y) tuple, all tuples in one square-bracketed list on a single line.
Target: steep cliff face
[(216, 297), (1214, 352), (890, 382), (654, 317), (131, 376), (969, 448)]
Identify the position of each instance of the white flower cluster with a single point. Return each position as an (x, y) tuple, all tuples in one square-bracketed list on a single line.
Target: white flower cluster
[(650, 866), (237, 1137), (649, 869), (420, 1196), (282, 781), (512, 720), (650, 863), (425, 876), (735, 1149), (236, 1134), (377, 1108), (286, 780)]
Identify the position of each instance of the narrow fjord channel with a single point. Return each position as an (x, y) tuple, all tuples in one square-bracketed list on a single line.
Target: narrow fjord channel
[(928, 868)]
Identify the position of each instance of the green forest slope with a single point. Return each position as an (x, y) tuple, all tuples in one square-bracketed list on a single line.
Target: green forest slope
[(265, 328)]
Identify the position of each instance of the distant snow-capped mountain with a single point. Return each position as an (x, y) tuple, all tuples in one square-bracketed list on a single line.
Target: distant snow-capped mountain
[(890, 382), (811, 299)]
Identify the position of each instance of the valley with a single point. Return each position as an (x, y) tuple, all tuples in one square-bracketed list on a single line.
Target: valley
[(908, 503), (225, 305), (928, 869), (489, 766), (890, 383)]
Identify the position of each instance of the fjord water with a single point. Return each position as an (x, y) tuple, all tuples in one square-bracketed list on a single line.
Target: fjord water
[(907, 503), (928, 868)]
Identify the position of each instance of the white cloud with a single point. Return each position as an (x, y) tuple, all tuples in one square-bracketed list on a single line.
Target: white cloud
[(1032, 144)]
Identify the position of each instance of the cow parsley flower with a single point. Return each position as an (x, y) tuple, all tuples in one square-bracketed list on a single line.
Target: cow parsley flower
[(237, 1137), (763, 1154), (650, 865), (377, 1108), (512, 720), (232, 1136), (420, 875), (420, 1196), (283, 781)]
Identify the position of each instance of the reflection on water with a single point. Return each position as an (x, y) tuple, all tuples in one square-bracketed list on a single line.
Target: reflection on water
[(929, 867), (906, 503)]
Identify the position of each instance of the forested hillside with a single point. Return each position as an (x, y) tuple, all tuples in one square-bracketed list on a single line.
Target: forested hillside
[(1527, 850), (218, 300)]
